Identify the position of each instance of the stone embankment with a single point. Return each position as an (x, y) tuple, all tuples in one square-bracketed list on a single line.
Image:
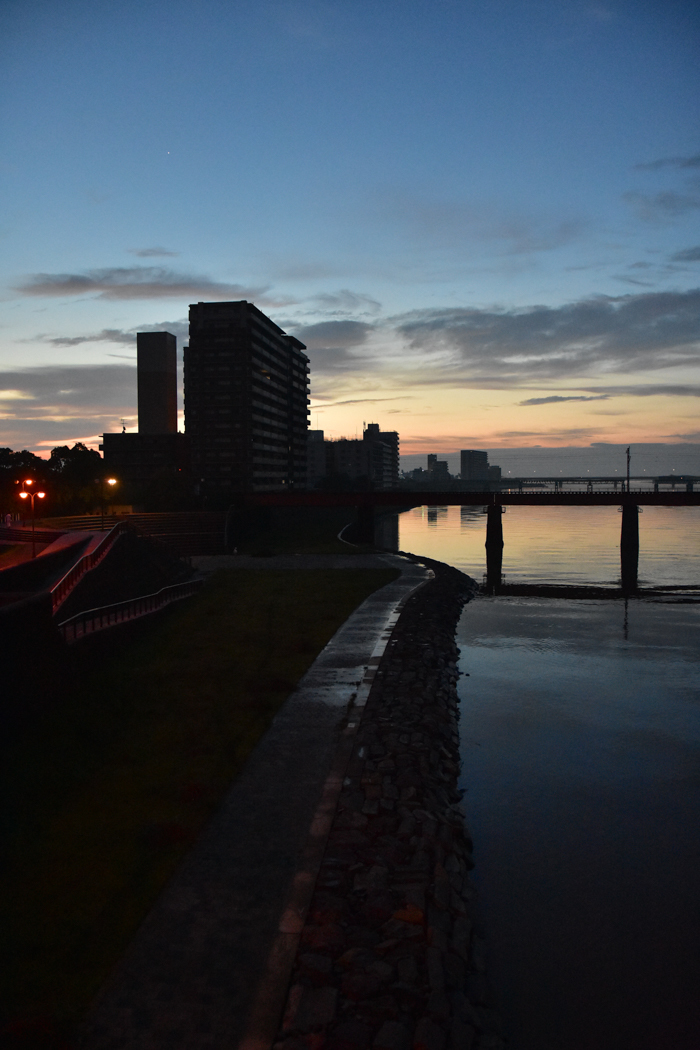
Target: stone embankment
[(391, 957)]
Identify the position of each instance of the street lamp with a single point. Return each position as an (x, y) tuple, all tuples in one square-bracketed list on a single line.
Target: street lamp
[(31, 496), (111, 482)]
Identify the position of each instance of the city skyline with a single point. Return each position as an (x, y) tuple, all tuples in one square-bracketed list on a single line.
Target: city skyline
[(482, 219)]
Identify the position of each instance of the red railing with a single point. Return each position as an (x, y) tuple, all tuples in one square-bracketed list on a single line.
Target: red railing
[(61, 590), (109, 615)]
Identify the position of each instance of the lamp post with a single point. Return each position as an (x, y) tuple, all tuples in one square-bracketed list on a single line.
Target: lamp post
[(111, 482), (31, 496)]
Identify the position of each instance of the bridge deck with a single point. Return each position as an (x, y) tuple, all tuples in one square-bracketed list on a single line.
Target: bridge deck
[(404, 498)]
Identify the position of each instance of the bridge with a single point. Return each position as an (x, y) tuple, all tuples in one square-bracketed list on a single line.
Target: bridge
[(368, 503)]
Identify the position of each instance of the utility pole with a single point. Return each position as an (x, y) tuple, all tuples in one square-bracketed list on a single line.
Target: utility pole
[(628, 468)]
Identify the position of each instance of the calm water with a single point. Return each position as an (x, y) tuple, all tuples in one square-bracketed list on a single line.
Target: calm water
[(581, 762)]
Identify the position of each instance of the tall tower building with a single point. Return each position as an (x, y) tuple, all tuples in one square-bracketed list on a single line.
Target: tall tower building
[(157, 382), (155, 457), (246, 401)]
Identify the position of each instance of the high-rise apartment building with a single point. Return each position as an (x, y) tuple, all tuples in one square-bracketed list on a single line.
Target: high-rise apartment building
[(246, 401), (474, 465), (373, 434)]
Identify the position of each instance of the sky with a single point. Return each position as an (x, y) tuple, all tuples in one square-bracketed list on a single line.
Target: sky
[(481, 216)]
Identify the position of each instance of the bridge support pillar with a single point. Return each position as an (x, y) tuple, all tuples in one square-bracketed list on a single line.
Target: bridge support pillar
[(629, 546), (365, 524), (494, 545)]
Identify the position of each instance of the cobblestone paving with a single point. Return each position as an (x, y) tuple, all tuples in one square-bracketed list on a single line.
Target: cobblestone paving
[(390, 955)]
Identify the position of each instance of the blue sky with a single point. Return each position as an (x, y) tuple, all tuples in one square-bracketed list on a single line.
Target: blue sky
[(482, 217)]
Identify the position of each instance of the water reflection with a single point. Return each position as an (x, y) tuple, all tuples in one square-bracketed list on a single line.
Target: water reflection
[(572, 545), (581, 749)]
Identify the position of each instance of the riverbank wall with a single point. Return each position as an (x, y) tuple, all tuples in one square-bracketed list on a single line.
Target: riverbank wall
[(391, 955)]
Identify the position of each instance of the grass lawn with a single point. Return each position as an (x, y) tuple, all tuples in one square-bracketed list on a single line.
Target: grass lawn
[(105, 796)]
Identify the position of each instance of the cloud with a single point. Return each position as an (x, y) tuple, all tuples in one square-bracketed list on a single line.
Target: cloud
[(338, 334), (107, 335), (347, 302), (68, 390), (671, 162), (135, 282), (361, 401), (650, 390), (331, 344), (628, 333), (122, 336), (64, 404), (445, 223), (555, 398), (151, 253), (687, 255), (668, 204)]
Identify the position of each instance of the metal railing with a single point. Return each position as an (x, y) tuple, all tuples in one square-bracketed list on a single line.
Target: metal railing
[(60, 591), (110, 615)]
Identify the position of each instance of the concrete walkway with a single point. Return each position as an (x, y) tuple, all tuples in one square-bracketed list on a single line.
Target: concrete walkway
[(209, 967)]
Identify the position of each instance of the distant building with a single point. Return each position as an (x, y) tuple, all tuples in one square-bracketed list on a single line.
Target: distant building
[(315, 458), (157, 453), (437, 470), (474, 465), (372, 433), (371, 462), (246, 401)]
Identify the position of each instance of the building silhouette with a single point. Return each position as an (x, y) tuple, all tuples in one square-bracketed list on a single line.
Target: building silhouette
[(370, 462), (389, 438), (246, 401), (157, 454), (157, 382), (474, 465), (438, 474)]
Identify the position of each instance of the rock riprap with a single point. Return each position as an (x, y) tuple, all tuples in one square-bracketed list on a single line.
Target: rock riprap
[(391, 956)]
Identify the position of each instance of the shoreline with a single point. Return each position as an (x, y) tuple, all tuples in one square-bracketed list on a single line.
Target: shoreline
[(391, 953)]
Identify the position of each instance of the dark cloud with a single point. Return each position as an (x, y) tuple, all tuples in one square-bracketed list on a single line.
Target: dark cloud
[(617, 334), (668, 204), (634, 280), (135, 282), (650, 390), (107, 335), (362, 401), (332, 346), (122, 336), (347, 302), (334, 334), (687, 255), (556, 398), (444, 223), (151, 253), (66, 391), (671, 162)]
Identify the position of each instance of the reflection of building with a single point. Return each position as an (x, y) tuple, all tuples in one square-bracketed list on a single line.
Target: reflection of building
[(246, 397), (157, 452)]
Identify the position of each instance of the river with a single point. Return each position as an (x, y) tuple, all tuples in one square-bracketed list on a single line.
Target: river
[(581, 768)]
